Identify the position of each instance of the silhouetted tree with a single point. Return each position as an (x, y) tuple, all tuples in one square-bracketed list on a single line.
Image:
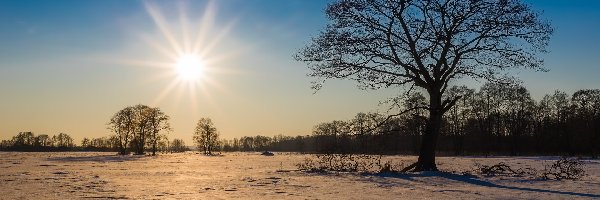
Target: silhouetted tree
[(177, 145), (62, 140), (261, 143), (458, 116), (141, 127), (206, 136), (23, 139), (247, 143), (122, 124), (586, 104), (415, 120), (162, 144), (6, 144), (518, 116), (43, 140), (103, 144), (426, 43), (157, 121), (329, 135), (85, 142)]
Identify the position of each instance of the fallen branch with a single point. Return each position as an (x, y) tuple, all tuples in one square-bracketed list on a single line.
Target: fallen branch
[(562, 169), (501, 169), (409, 168)]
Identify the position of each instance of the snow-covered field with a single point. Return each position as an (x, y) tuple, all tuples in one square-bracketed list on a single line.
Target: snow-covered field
[(83, 175)]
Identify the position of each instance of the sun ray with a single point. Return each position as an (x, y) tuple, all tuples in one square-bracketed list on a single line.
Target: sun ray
[(193, 99), (217, 39), (163, 27), (178, 94), (164, 92), (146, 63), (206, 22), (213, 61), (160, 48), (207, 97), (185, 26)]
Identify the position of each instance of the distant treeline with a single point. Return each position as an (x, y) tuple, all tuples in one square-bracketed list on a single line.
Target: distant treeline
[(28, 141), (498, 119)]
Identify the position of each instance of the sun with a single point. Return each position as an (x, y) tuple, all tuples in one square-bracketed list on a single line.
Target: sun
[(189, 67), (190, 51)]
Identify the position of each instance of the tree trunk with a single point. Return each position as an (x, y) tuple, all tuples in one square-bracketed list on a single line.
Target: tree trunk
[(426, 161), (122, 151), (154, 148), (458, 144)]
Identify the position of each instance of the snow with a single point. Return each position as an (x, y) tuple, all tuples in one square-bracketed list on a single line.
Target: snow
[(79, 175)]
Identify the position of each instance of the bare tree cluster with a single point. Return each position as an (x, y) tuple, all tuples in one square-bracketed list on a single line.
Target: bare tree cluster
[(138, 126), (178, 145)]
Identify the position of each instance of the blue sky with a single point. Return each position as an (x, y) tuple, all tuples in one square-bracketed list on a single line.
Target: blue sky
[(66, 66)]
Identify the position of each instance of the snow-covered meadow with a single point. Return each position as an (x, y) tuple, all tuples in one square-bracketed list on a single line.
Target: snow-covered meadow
[(84, 175)]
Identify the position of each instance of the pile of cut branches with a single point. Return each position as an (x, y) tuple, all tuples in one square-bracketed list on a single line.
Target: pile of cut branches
[(563, 168), (348, 163), (503, 169)]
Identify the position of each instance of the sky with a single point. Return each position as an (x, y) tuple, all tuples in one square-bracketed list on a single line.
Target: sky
[(68, 66)]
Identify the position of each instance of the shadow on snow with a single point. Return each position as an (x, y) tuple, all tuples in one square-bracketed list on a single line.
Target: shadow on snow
[(101, 158), (474, 181)]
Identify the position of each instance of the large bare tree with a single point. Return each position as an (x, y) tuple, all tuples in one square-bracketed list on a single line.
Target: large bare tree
[(427, 44)]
